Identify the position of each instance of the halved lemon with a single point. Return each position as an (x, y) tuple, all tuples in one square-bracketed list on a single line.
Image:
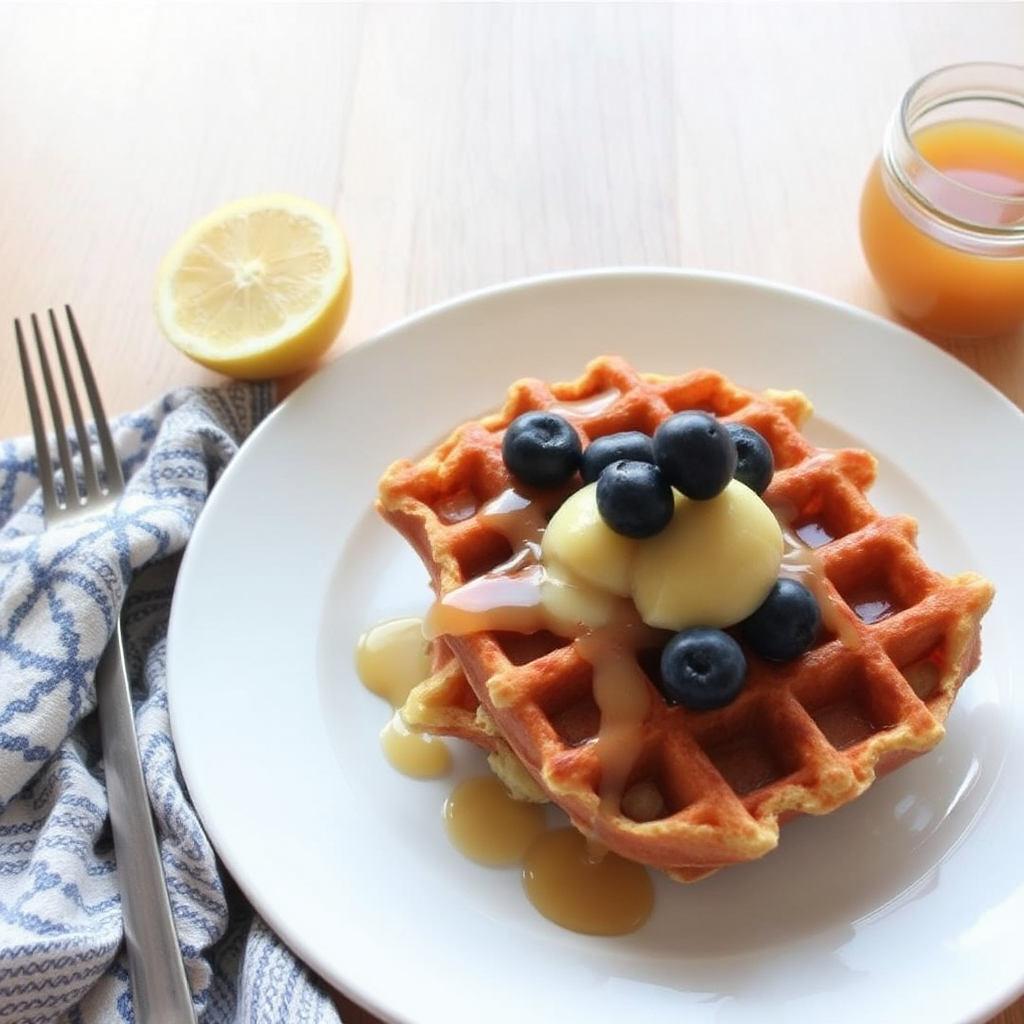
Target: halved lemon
[(258, 288)]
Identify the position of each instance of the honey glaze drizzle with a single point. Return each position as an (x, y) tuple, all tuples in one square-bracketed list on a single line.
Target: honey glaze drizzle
[(567, 878), (623, 697), (563, 876), (487, 824), (417, 755), (593, 896), (517, 518), (509, 596), (804, 564), (391, 659), (586, 408)]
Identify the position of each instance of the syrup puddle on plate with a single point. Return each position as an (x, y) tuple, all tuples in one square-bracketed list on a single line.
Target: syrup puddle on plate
[(391, 659), (567, 878)]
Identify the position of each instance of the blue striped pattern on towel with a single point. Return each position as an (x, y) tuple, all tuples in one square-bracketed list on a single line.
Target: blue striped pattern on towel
[(61, 953)]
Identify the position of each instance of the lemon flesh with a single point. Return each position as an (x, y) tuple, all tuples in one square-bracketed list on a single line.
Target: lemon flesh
[(258, 288)]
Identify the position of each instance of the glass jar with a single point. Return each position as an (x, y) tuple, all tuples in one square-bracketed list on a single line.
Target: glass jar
[(942, 212)]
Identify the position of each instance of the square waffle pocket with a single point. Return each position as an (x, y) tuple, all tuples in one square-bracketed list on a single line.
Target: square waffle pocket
[(576, 715)]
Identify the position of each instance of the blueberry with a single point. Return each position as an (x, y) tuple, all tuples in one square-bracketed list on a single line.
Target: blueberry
[(602, 451), (696, 453), (702, 669), (755, 463), (541, 449), (634, 499), (786, 624)]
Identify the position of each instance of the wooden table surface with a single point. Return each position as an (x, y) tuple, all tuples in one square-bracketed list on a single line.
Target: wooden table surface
[(461, 145)]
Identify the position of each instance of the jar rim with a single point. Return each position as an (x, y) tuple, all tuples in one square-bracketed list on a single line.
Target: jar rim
[(978, 80)]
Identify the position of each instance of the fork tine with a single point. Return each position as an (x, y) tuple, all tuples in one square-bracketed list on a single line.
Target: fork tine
[(72, 496), (92, 482), (35, 413), (111, 463)]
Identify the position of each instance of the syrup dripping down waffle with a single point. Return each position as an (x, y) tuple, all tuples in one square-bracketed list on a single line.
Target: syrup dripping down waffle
[(690, 792)]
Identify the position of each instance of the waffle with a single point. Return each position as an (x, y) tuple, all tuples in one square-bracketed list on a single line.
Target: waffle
[(683, 791), (445, 704)]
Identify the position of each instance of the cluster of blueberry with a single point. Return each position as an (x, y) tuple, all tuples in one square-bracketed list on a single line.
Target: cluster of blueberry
[(698, 455)]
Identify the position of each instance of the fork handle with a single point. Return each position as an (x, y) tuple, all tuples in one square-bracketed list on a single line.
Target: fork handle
[(159, 986)]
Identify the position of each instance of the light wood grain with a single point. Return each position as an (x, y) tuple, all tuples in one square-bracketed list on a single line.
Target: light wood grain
[(461, 145)]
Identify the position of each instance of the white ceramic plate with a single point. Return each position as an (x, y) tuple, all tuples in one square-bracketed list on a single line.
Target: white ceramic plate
[(905, 906)]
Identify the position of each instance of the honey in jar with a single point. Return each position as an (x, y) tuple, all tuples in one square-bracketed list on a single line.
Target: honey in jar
[(942, 212)]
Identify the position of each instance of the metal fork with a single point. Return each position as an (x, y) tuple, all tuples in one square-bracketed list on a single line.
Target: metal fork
[(159, 985)]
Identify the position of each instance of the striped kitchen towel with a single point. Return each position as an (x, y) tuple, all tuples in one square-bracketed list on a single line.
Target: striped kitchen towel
[(61, 937)]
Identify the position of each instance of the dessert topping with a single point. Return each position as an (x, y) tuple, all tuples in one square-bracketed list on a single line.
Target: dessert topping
[(696, 453), (702, 669), (541, 449), (667, 532), (634, 498), (786, 624), (755, 464), (712, 565), (603, 451)]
